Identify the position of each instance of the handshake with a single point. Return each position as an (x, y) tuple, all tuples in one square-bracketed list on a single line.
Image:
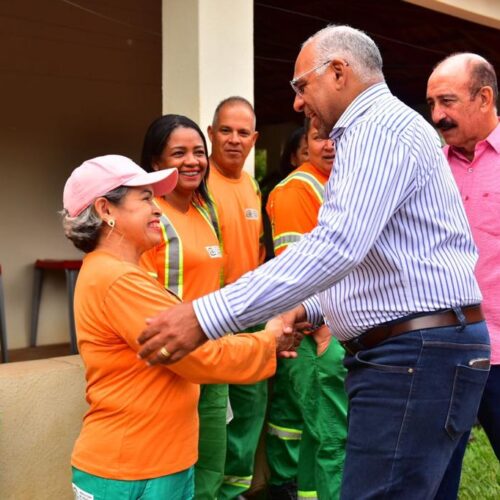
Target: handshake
[(289, 329), (163, 332)]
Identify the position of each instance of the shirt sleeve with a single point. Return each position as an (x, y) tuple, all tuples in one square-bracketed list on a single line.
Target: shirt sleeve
[(367, 186), (233, 359), (236, 359), (131, 299), (313, 310)]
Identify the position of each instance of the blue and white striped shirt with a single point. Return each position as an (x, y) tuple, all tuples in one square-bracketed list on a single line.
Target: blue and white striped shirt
[(392, 236)]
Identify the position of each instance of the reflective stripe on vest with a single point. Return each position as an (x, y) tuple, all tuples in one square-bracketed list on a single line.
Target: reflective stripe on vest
[(306, 494), (209, 213), (255, 185), (174, 252), (174, 265), (285, 239), (316, 186), (239, 481), (211, 210), (284, 433)]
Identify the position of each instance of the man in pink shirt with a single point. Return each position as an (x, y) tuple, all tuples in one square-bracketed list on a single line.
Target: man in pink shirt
[(462, 92)]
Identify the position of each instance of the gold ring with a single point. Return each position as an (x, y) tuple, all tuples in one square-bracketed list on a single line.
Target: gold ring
[(164, 352)]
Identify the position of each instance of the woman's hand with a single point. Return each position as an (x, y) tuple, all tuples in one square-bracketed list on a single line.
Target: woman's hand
[(286, 341)]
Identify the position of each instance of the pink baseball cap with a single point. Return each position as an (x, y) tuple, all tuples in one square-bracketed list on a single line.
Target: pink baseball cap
[(98, 176)]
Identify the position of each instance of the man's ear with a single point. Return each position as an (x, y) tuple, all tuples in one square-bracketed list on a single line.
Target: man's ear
[(210, 133), (486, 96), (255, 137), (103, 207), (339, 68)]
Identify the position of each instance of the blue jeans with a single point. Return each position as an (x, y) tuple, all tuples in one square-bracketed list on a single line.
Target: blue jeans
[(411, 399), (489, 418)]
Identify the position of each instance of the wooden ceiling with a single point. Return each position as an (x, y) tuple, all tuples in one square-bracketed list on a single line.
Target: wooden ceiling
[(411, 39)]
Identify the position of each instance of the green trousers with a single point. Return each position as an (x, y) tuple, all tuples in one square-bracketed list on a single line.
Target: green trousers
[(307, 427), (178, 486), (284, 427), (209, 469), (249, 405), (319, 385)]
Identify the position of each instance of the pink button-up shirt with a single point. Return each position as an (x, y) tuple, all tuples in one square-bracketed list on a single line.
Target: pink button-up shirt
[(479, 184)]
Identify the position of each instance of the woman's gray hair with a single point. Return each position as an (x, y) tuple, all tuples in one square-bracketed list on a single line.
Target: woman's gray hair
[(84, 229), (358, 49)]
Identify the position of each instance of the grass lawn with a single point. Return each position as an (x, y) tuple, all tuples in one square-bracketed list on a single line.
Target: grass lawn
[(481, 470)]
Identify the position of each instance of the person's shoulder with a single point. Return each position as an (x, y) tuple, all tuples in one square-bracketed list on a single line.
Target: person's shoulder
[(394, 120), (301, 178), (102, 268), (251, 181)]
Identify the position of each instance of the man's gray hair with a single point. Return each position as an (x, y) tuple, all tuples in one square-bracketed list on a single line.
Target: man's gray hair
[(233, 101), (355, 46), (481, 71)]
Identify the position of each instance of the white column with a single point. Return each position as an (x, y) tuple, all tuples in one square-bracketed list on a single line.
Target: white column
[(207, 56)]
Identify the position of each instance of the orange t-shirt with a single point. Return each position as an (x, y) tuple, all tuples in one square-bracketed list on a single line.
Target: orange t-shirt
[(294, 203), (142, 421), (189, 260), (238, 207)]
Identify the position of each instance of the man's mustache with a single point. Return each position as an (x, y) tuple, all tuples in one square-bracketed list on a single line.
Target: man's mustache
[(445, 124)]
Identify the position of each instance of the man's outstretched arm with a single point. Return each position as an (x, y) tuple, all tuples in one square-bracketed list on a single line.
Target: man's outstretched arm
[(163, 331)]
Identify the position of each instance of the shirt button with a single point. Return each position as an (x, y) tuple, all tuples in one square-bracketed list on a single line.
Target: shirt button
[(470, 170)]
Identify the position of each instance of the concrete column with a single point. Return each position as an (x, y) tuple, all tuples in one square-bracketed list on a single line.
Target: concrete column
[(207, 56)]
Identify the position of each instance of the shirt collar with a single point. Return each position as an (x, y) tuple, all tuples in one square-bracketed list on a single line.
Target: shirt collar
[(358, 107), (493, 140)]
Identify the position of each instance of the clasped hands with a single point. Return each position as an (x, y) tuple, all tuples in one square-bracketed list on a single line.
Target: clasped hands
[(178, 332)]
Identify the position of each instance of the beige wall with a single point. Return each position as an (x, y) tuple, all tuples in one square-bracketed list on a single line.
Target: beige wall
[(41, 408), (73, 85)]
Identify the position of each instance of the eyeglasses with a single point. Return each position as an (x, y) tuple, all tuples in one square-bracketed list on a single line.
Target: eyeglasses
[(299, 89)]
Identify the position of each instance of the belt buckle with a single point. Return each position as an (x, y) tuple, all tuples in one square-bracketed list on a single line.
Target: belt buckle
[(355, 343)]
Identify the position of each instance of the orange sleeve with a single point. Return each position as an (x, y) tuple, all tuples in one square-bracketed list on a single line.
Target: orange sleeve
[(234, 359), (293, 211), (131, 299)]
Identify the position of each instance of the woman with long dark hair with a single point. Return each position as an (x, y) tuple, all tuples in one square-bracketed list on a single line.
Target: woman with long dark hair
[(189, 262)]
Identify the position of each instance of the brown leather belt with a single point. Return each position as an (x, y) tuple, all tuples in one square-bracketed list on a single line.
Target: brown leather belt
[(437, 319)]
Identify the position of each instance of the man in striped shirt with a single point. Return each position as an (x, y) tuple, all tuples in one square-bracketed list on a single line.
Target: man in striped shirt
[(390, 266)]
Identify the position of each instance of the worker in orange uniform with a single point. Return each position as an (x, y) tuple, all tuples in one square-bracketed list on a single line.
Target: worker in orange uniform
[(139, 437), (237, 198), (189, 262), (307, 424)]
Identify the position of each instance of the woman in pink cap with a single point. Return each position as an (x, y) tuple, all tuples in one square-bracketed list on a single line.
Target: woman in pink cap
[(139, 437)]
